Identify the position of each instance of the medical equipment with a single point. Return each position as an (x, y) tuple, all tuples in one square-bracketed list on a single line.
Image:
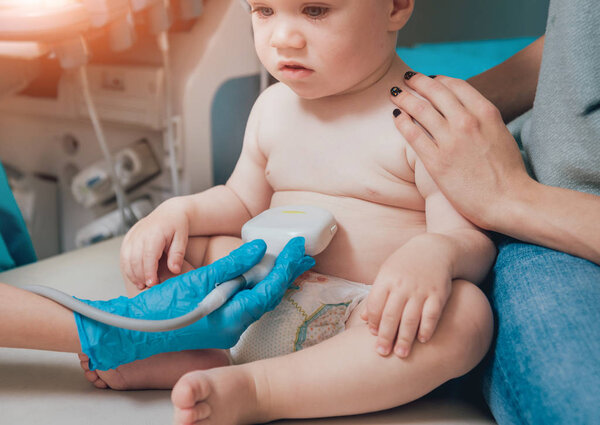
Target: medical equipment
[(276, 226), (107, 226), (129, 90), (135, 164)]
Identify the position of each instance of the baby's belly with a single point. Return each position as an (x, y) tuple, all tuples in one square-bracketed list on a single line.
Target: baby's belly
[(368, 233)]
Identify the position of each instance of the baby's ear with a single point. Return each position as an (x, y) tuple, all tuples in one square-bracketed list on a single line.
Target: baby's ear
[(400, 13)]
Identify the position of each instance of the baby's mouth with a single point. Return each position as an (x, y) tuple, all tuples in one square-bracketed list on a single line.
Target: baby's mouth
[(293, 67), (295, 71)]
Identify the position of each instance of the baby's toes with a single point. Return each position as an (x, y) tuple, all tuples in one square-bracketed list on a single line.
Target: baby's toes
[(192, 388), (192, 415), (91, 375)]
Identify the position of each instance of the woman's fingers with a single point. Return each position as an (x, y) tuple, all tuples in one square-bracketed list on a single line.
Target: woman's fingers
[(473, 101), (453, 97), (390, 321), (416, 137), (411, 316), (422, 111), (436, 93)]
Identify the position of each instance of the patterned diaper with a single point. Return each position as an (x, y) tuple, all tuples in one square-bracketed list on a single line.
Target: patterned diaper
[(314, 309)]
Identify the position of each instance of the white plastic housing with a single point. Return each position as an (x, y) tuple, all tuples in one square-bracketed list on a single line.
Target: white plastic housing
[(278, 225)]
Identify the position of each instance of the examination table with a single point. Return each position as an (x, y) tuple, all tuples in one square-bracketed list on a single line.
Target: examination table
[(38, 387)]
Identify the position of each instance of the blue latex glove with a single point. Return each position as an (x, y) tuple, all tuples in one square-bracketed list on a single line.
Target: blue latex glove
[(108, 347)]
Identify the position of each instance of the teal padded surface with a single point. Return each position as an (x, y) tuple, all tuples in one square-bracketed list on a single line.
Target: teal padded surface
[(460, 59), (16, 248)]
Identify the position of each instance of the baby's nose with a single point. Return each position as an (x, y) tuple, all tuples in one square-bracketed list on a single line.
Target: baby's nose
[(287, 37)]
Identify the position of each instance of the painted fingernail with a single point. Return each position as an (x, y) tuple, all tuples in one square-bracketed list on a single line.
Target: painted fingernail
[(395, 91), (409, 74), (396, 112), (432, 76), (382, 350)]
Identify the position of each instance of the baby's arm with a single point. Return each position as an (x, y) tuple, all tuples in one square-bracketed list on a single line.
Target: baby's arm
[(221, 210), (414, 283), (224, 209)]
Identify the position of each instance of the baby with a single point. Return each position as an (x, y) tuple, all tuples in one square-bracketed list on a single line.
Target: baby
[(390, 311)]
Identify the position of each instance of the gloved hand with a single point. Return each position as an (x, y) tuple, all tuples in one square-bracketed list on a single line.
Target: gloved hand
[(108, 347)]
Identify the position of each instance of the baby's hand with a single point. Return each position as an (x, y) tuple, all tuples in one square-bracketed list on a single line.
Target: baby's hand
[(165, 230), (408, 297)]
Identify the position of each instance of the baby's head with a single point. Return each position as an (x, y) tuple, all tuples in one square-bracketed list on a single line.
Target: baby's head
[(322, 48)]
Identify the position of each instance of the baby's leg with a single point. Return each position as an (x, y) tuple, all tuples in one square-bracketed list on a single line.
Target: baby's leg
[(342, 375), (163, 370)]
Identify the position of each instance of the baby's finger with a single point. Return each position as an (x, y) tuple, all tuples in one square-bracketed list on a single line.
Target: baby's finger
[(375, 304), (416, 137), (409, 325), (432, 311), (137, 265), (151, 254), (177, 252), (125, 263), (390, 320)]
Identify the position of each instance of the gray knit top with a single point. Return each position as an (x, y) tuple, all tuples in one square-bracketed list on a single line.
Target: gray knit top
[(562, 136)]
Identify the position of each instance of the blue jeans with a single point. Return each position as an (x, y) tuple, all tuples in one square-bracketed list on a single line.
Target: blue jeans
[(544, 367)]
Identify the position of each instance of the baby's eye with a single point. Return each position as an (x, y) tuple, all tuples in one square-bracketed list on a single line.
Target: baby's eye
[(263, 12), (315, 11)]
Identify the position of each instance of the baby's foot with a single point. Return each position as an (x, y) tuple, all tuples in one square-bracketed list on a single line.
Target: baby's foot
[(222, 396), (159, 372)]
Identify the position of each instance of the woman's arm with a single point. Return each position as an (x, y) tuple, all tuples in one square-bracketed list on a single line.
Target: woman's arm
[(511, 85), (31, 321), (476, 163), (561, 219)]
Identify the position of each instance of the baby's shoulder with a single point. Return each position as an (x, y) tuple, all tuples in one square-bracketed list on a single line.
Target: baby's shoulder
[(275, 96)]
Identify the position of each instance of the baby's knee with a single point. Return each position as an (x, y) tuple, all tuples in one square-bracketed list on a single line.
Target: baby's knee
[(472, 325)]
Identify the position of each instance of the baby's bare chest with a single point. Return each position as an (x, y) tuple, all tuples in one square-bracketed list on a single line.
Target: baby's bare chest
[(358, 156)]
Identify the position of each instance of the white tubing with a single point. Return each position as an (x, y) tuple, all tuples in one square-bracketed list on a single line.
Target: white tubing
[(119, 192), (163, 44), (215, 299)]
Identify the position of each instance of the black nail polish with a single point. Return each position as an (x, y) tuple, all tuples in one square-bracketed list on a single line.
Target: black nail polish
[(432, 76), (395, 91), (409, 74), (396, 112)]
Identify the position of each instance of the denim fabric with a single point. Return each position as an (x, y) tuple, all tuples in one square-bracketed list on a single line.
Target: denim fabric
[(545, 365)]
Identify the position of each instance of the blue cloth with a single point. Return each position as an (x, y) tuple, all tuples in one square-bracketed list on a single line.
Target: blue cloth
[(544, 367), (108, 347), (16, 248), (461, 59)]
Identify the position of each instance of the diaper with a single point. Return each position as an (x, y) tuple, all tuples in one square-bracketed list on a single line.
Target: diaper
[(314, 309)]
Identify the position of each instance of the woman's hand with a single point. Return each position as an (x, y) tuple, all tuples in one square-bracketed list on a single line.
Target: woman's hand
[(409, 295), (163, 232), (465, 146)]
